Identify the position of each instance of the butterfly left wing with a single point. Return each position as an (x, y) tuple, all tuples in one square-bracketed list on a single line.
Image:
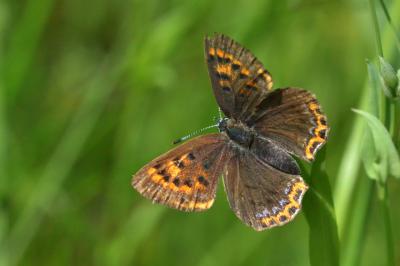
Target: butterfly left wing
[(238, 78), (292, 118), (186, 177), (261, 195)]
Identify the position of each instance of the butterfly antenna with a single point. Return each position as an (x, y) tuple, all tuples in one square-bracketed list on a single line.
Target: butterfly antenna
[(220, 113), (193, 134)]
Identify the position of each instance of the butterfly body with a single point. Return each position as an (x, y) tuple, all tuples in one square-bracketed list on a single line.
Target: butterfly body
[(253, 150), (237, 132)]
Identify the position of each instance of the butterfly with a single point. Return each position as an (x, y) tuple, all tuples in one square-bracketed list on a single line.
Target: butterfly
[(261, 130)]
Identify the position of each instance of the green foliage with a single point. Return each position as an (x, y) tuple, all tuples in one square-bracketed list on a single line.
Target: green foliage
[(390, 80), (320, 215), (382, 159)]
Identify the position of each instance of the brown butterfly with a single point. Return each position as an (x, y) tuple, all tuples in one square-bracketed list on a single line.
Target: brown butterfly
[(252, 150)]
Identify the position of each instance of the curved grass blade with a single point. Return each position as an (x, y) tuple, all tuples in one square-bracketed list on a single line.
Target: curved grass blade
[(385, 159), (320, 214)]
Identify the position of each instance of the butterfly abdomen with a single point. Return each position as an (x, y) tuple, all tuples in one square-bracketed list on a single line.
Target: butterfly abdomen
[(240, 136)]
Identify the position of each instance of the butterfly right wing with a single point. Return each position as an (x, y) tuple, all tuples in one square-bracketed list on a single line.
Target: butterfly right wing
[(186, 177), (259, 194), (292, 118), (238, 78)]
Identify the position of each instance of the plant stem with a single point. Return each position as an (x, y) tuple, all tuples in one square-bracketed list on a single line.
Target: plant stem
[(389, 19), (357, 224), (385, 207), (396, 130), (390, 113), (390, 109), (376, 27), (389, 124)]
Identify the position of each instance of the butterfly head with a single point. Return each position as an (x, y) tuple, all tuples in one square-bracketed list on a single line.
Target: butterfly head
[(223, 124)]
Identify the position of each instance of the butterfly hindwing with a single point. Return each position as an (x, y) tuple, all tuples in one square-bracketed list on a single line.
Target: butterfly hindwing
[(292, 118), (238, 78), (260, 195), (186, 177)]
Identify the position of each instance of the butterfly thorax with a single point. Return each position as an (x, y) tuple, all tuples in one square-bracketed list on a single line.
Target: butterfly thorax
[(237, 131)]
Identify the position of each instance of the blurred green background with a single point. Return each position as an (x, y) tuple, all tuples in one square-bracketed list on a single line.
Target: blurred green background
[(92, 90)]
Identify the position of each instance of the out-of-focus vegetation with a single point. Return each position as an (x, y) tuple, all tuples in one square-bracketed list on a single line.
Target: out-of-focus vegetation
[(92, 90)]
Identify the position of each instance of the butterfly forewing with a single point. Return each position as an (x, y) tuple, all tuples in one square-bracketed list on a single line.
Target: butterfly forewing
[(292, 118), (186, 177), (238, 78), (260, 195)]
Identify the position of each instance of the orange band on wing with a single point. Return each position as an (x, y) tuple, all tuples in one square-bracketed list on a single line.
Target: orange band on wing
[(319, 132), (283, 216)]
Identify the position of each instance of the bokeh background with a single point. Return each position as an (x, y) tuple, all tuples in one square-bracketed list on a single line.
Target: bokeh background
[(92, 90)]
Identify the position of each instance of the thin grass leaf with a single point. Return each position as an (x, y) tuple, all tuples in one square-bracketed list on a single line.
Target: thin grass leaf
[(393, 27), (375, 97), (138, 227), (369, 151), (354, 236), (23, 43), (218, 254), (58, 167), (386, 160), (4, 218), (320, 215)]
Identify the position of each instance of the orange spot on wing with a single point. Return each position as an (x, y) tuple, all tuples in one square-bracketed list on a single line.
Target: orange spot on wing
[(220, 53), (251, 84), (196, 205), (173, 170), (151, 171), (224, 69), (186, 189), (204, 205), (228, 56), (237, 62), (245, 72), (171, 186), (211, 51), (260, 70), (244, 92), (156, 178)]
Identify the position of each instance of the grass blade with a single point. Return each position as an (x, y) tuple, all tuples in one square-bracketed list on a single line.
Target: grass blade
[(387, 160), (320, 215), (58, 168)]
